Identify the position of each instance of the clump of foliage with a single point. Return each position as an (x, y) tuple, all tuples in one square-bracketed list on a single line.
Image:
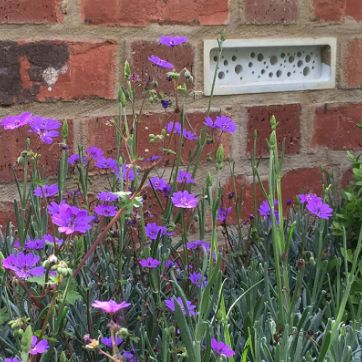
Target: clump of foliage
[(99, 277)]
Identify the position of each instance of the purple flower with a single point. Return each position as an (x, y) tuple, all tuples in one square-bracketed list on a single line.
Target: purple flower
[(189, 135), (70, 219), (73, 159), (158, 183), (128, 172), (38, 346), (195, 279), (107, 341), (12, 359), (165, 103), (34, 244), (222, 213), (170, 304), (110, 306), (221, 348), (172, 41), (208, 121), (129, 356), (149, 263), (320, 209), (106, 163), (173, 127), (153, 230), (197, 244), (185, 177), (224, 123), (184, 199), (264, 210), (45, 128), (152, 158), (304, 198), (50, 239), (46, 190), (23, 265), (169, 263), (105, 210), (160, 62), (94, 153), (13, 122), (107, 196)]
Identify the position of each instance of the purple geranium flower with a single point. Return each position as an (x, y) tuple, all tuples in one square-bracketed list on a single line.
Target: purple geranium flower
[(173, 127), (13, 122), (50, 239), (165, 103), (222, 213), (184, 199), (73, 159), (34, 244), (195, 279), (46, 190), (107, 341), (105, 210), (94, 153), (129, 356), (45, 128), (70, 219), (185, 177), (264, 210), (110, 306), (106, 163), (196, 244), (158, 183), (224, 123), (320, 209), (189, 135), (23, 265), (107, 196), (152, 158), (150, 263), (172, 41), (12, 359), (153, 230), (305, 198), (208, 121), (170, 304), (160, 62), (38, 346), (221, 348), (128, 172)]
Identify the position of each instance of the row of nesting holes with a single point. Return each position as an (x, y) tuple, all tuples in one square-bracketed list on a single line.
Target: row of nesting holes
[(273, 60)]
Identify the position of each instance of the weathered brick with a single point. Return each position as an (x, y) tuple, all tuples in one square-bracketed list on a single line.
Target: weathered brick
[(100, 132), (143, 12), (294, 182), (181, 57), (55, 70), (271, 11), (329, 10), (30, 11), (288, 117), (354, 9), (12, 143), (347, 177), (352, 65), (7, 213), (335, 126)]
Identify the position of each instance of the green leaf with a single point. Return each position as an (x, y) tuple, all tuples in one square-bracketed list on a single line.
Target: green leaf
[(4, 315), (26, 343)]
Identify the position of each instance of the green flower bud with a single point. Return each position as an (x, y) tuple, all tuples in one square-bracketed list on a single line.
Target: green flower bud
[(123, 333), (126, 70)]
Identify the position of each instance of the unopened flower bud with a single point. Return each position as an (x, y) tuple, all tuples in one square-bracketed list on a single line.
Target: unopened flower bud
[(93, 344), (123, 333)]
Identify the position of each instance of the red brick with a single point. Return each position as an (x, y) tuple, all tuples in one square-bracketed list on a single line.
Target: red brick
[(271, 11), (94, 131), (294, 182), (288, 117), (7, 213), (143, 12), (329, 10), (352, 64), (12, 143), (30, 11), (81, 70), (181, 57), (354, 9), (335, 126)]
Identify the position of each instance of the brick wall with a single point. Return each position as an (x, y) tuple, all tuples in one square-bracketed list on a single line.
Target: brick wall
[(82, 44)]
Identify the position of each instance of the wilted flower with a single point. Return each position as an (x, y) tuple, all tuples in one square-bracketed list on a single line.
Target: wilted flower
[(170, 304), (160, 62), (23, 265), (195, 279), (150, 263), (184, 199), (107, 341), (320, 209), (70, 219), (185, 177), (153, 230), (105, 210), (172, 41), (107, 196), (13, 122), (222, 213), (45, 128), (38, 346), (110, 306), (46, 190), (221, 348)]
